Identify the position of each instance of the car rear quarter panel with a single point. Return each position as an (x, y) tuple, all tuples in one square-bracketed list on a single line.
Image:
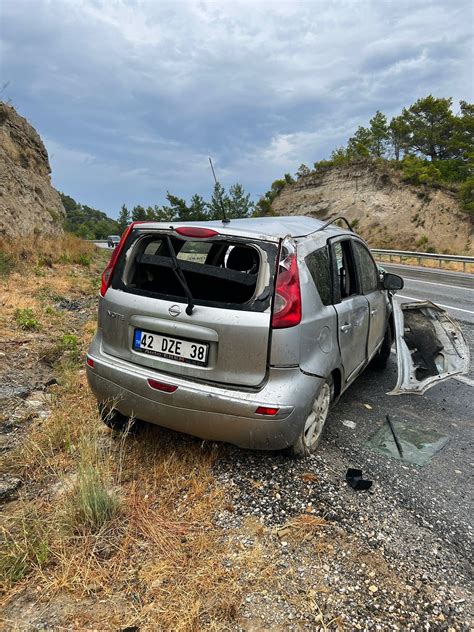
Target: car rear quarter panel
[(313, 344), (319, 348)]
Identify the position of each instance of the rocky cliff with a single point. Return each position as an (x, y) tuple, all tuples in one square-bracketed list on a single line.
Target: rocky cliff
[(28, 202), (385, 210)]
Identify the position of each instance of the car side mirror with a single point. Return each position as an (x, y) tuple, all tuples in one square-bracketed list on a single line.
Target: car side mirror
[(392, 282)]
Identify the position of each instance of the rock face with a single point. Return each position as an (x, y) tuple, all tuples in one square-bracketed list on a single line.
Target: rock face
[(385, 210), (29, 205)]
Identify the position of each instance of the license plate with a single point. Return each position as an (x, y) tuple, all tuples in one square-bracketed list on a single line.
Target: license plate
[(186, 351)]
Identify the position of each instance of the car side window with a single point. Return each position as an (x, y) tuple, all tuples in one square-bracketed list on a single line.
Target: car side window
[(345, 272), (319, 267), (368, 272)]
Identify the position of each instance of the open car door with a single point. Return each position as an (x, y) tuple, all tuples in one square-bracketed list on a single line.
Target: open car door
[(430, 347)]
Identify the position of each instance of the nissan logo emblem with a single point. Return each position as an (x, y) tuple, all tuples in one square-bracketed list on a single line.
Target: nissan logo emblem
[(174, 310)]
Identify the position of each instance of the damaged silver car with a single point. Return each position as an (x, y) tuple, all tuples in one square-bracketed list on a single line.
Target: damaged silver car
[(248, 331)]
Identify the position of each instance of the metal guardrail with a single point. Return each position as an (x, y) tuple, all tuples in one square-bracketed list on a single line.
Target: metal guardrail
[(401, 254), (420, 256)]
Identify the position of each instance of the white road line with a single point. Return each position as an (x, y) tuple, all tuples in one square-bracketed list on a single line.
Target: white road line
[(460, 287), (464, 379), (457, 309)]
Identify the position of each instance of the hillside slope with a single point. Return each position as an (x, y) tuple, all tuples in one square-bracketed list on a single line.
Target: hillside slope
[(28, 202), (385, 210)]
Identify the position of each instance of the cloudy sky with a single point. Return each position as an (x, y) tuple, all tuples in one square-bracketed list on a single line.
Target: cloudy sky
[(131, 97)]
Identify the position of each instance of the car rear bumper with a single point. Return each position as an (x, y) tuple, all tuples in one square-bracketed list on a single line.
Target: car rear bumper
[(206, 411)]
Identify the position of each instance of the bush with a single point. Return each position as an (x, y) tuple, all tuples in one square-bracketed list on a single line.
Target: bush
[(466, 195), (418, 171), (25, 318), (68, 344), (453, 170), (92, 502)]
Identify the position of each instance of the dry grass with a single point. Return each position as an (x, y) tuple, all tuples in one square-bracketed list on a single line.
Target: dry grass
[(110, 530), (38, 252), (130, 521)]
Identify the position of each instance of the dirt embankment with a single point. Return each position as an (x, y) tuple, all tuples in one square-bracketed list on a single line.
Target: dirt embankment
[(29, 205), (385, 210)]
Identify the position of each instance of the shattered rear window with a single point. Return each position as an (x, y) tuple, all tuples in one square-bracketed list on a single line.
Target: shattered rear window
[(222, 273)]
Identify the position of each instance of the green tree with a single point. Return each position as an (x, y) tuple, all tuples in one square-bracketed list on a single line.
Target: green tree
[(138, 214), (379, 135), (239, 202), (123, 218), (178, 207), (358, 145), (430, 125), (303, 171), (399, 134), (219, 200), (462, 139), (198, 209), (165, 214)]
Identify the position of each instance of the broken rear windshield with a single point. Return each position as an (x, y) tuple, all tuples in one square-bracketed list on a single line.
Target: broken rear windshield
[(232, 273)]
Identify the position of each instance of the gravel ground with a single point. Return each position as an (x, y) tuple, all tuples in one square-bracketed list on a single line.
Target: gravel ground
[(402, 556)]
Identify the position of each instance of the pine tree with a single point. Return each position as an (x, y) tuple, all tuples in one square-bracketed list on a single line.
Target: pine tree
[(303, 171), (138, 214), (379, 135), (123, 218), (399, 135), (239, 202), (218, 201), (431, 124)]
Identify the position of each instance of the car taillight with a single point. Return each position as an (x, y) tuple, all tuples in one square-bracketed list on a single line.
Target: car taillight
[(162, 386), (267, 410), (287, 304), (107, 273), (196, 231), (90, 362)]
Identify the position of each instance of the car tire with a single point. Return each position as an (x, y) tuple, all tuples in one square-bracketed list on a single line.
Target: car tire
[(380, 360), (114, 420), (310, 436)]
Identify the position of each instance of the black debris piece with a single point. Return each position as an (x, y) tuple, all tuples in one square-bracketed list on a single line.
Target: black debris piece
[(395, 438), (355, 480)]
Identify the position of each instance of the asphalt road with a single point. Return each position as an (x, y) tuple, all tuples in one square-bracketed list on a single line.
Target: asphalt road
[(454, 291), (101, 245)]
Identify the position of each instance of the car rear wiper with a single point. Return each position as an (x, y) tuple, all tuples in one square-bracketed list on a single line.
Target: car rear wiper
[(180, 276)]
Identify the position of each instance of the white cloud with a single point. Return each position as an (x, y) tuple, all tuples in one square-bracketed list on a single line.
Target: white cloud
[(135, 94)]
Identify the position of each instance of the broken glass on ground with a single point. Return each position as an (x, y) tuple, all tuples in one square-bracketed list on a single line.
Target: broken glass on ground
[(418, 445)]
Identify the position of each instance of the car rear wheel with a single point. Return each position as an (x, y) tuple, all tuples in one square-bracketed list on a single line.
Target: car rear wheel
[(311, 434), (115, 420)]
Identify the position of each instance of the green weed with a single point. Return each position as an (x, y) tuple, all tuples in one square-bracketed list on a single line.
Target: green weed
[(25, 318)]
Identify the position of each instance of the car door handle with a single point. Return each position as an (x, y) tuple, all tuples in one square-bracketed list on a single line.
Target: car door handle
[(346, 327), (373, 312)]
